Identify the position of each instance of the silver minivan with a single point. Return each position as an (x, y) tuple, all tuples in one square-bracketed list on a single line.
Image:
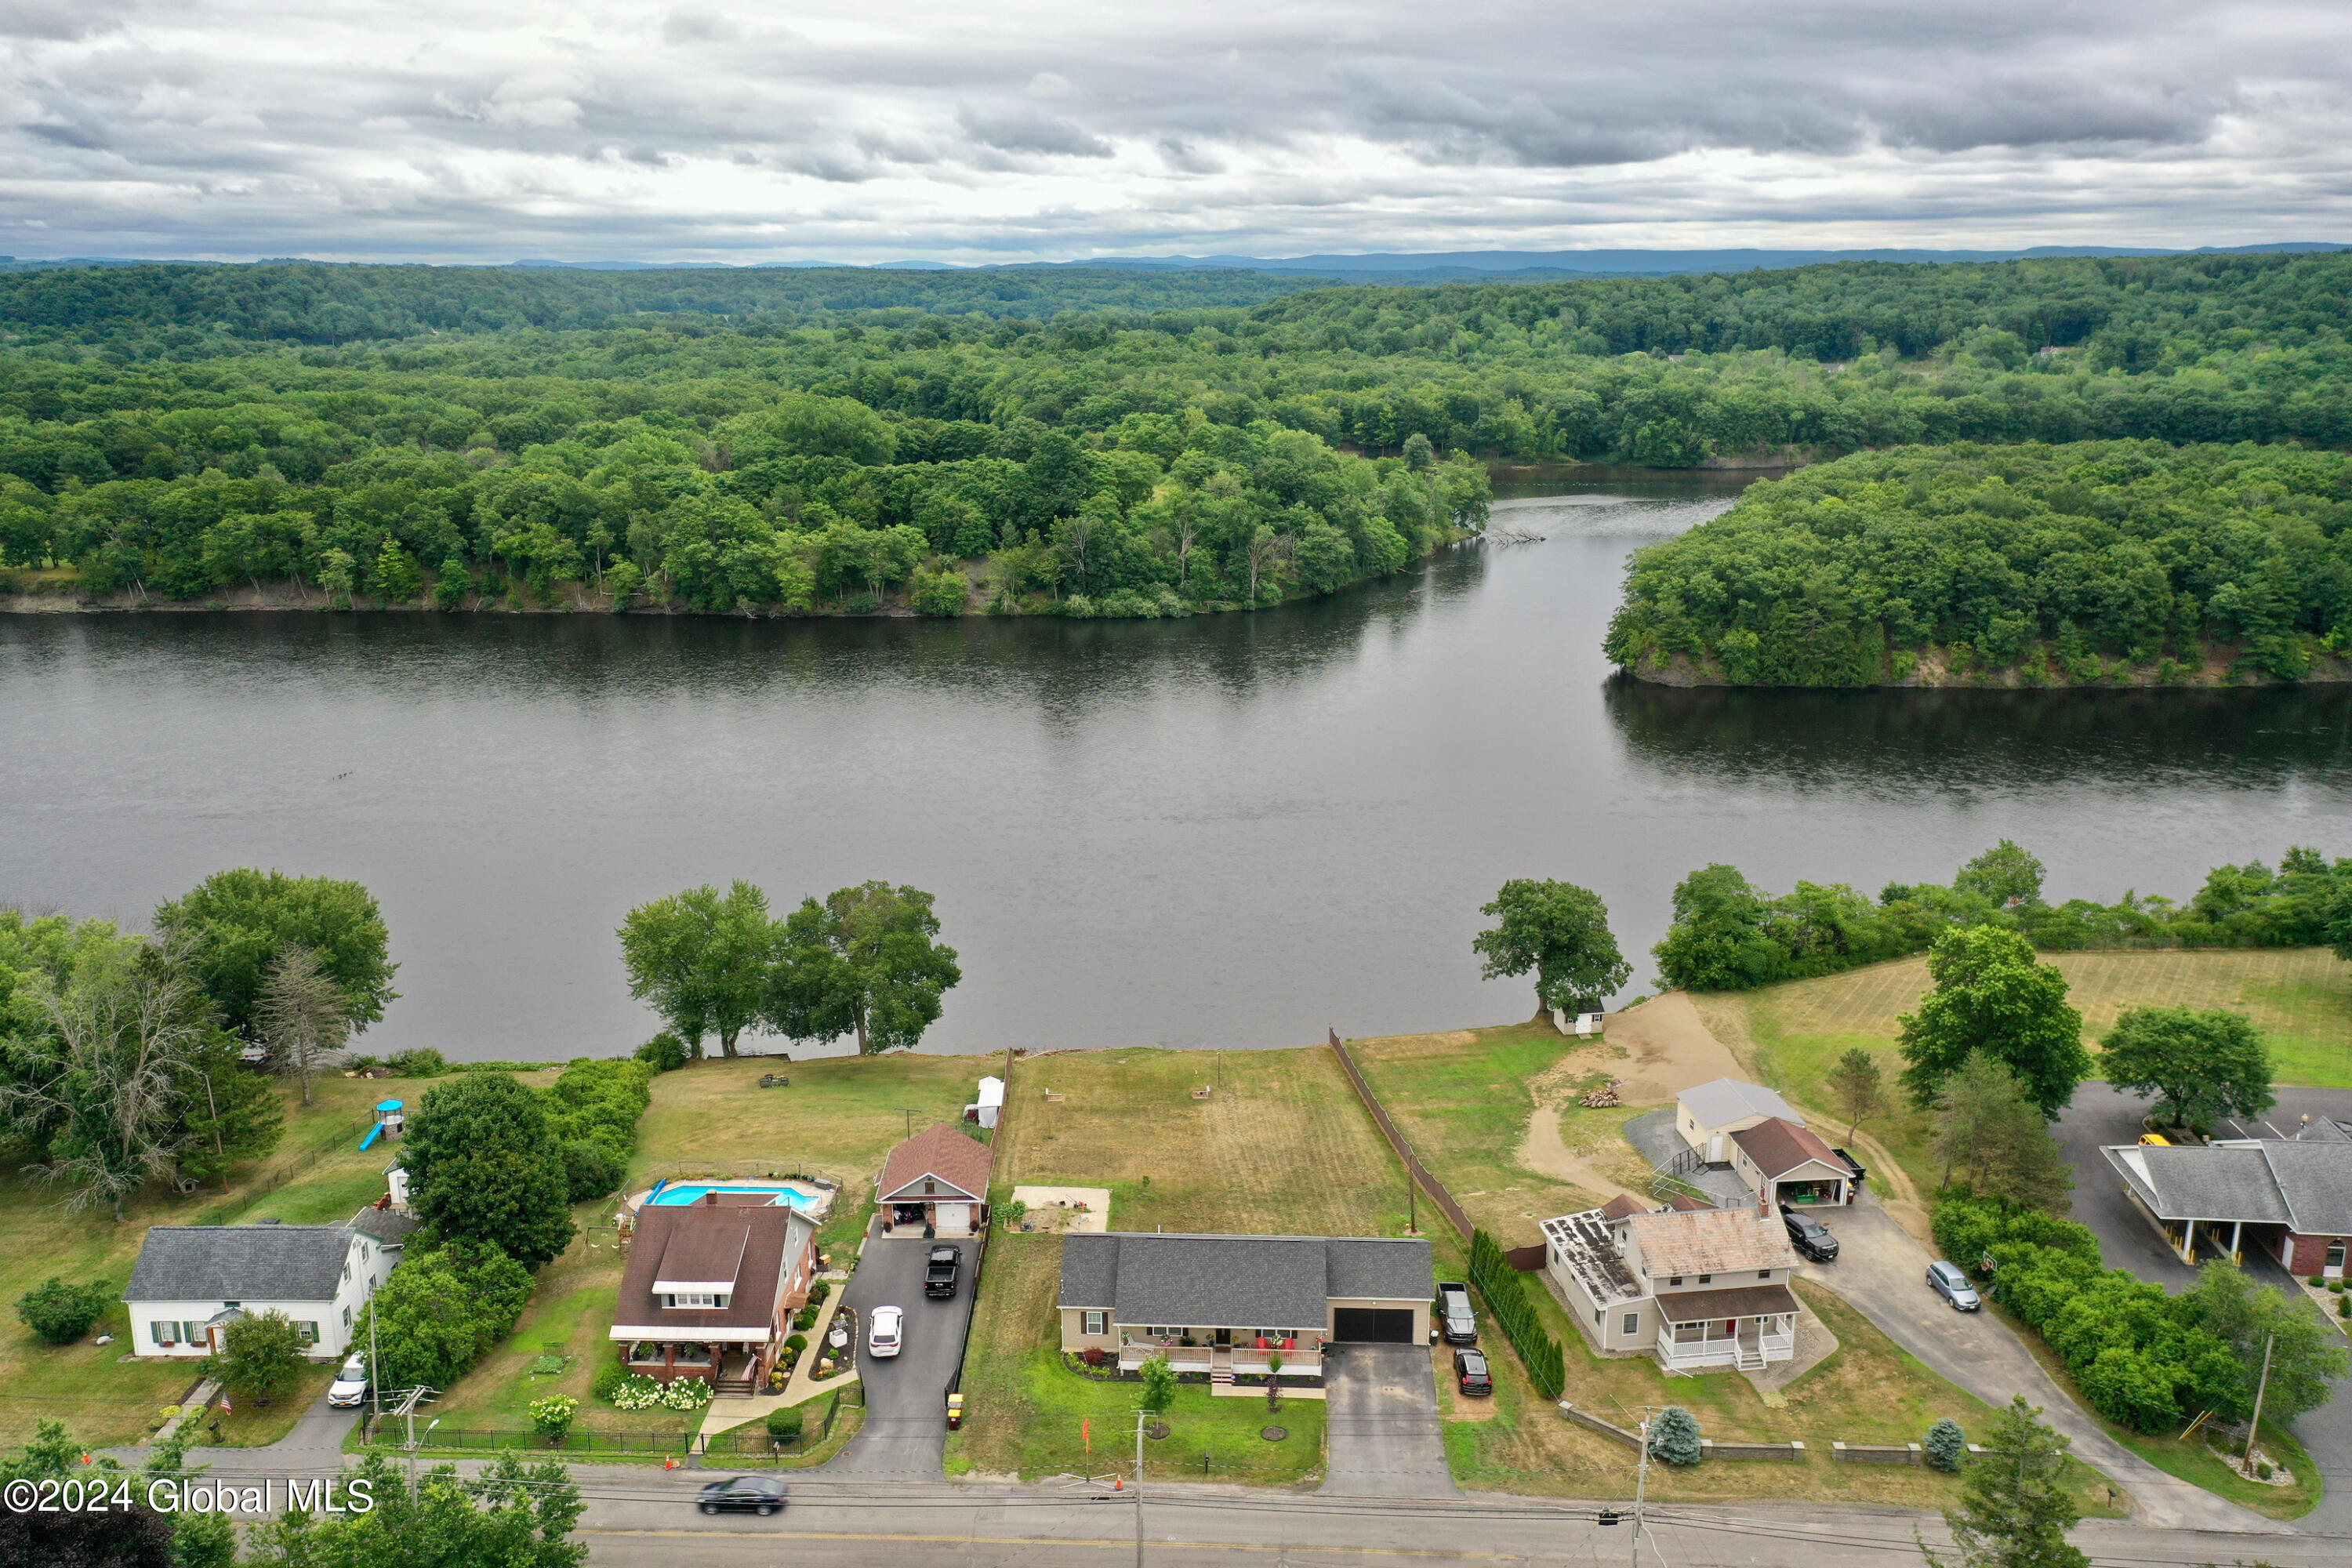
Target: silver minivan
[(1947, 1281)]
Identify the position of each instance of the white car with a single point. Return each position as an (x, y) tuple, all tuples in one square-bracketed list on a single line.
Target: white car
[(883, 1330), (351, 1386)]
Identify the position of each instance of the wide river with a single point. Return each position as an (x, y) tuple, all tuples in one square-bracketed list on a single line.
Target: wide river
[(1232, 830)]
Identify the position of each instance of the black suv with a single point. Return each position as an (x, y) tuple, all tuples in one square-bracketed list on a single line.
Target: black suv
[(1470, 1374), (1809, 1236), (940, 1272)]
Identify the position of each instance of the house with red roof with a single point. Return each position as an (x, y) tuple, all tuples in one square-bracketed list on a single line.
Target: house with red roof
[(939, 1180)]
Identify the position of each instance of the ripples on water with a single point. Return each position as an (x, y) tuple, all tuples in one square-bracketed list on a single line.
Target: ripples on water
[(1230, 830)]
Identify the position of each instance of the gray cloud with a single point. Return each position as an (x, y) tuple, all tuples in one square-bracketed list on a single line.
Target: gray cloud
[(428, 128)]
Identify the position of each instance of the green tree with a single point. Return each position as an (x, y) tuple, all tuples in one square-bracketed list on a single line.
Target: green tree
[(512, 1516), (231, 926), (260, 1355), (1674, 1436), (1945, 1446), (453, 583), (304, 1017), (2307, 1357), (62, 1313), (2199, 1066), (1561, 931), (946, 592), (1995, 1139), (396, 575), (865, 961), (1992, 996), (226, 1114), (338, 574), (702, 961), (441, 1311), (589, 1170), (2004, 875), (1721, 938), (2015, 1508), (1158, 1389), (483, 1167), (1858, 1088)]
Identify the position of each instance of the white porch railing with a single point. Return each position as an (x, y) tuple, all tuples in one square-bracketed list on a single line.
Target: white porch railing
[(1750, 1351)]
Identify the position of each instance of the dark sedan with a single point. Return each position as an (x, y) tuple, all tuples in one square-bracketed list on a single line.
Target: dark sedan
[(762, 1495)]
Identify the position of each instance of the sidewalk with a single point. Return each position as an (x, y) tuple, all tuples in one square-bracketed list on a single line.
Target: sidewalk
[(725, 1415)]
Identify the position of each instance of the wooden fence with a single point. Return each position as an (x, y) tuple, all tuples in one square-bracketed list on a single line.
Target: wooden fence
[(1414, 1170)]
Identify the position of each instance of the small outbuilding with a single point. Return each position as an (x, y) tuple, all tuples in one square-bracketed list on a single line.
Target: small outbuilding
[(989, 1106), (1788, 1163), (1706, 1116), (936, 1179)]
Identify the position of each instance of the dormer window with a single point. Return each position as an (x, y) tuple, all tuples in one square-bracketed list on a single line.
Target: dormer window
[(697, 1301)]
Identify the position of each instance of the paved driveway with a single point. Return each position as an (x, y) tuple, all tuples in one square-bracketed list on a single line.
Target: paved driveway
[(2101, 1115), (1882, 1271), (905, 1429), (1384, 1430)]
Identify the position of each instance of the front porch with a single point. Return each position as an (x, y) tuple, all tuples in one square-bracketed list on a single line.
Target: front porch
[(730, 1368), (1222, 1364), (1746, 1329)]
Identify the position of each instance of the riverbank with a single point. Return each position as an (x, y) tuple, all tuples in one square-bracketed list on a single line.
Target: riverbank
[(1942, 666)]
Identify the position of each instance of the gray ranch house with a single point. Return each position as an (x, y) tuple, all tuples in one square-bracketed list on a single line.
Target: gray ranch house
[(1221, 1306)]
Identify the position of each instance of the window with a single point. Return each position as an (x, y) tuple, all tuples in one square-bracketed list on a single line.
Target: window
[(2336, 1254), (1633, 1324), (192, 1332), (1096, 1324), (1677, 1279), (347, 1317), (165, 1332), (309, 1331), (1763, 1274), (1705, 1278), (700, 1299)]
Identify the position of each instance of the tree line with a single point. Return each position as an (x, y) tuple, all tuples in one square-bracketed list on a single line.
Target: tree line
[(1729, 935)]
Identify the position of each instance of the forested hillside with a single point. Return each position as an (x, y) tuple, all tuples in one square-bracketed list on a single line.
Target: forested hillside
[(805, 439), (2099, 561)]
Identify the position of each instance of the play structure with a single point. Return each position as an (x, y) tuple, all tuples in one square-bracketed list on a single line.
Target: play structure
[(389, 1118)]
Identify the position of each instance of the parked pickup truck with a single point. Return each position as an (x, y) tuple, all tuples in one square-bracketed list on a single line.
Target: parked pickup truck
[(940, 1273), (1455, 1318)]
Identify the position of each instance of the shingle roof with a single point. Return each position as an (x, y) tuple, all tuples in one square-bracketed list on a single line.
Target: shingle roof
[(1729, 1100), (1748, 1302), (1780, 1146), (389, 1228), (765, 1239), (1238, 1281), (2214, 1183), (945, 1152), (1623, 1206), (2315, 1178), (1712, 1241), (239, 1262)]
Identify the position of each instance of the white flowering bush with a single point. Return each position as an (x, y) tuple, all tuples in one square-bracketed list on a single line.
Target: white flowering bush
[(636, 1393), (686, 1394)]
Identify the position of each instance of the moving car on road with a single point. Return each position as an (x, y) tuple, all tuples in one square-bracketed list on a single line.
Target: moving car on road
[(1947, 1281), (883, 1332), (762, 1495), (1470, 1374), (351, 1386), (1810, 1237), (940, 1272), (1460, 1324)]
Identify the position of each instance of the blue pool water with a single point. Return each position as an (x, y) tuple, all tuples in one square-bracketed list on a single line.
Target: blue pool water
[(691, 1192)]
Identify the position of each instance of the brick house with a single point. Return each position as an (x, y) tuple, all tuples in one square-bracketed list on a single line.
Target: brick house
[(710, 1289), (2289, 1198)]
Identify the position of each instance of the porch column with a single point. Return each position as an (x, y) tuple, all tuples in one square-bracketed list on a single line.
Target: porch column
[(2236, 1228)]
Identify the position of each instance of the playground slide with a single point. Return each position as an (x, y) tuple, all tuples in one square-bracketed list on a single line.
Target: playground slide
[(374, 1132)]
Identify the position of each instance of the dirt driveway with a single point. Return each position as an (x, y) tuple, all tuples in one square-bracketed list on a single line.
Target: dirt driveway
[(1882, 1271)]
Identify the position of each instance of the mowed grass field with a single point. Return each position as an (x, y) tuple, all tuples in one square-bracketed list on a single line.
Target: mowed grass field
[(2300, 998), (1282, 1146)]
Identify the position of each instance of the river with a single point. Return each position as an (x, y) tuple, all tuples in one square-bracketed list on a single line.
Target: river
[(1231, 830)]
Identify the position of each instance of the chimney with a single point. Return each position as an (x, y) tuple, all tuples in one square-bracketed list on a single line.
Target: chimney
[(1763, 1203), (711, 1198)]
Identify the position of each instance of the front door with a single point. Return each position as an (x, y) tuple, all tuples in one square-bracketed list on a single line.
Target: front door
[(1225, 1339)]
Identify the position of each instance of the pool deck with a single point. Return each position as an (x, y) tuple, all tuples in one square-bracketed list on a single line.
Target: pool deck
[(818, 1204)]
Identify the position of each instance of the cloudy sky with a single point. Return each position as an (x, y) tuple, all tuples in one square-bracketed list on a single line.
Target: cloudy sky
[(887, 130)]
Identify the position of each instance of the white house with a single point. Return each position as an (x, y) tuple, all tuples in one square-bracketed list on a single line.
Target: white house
[(1708, 1115), (1699, 1289), (990, 1103), (192, 1280)]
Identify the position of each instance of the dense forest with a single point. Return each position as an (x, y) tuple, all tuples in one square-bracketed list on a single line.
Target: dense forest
[(1082, 441), (2120, 560)]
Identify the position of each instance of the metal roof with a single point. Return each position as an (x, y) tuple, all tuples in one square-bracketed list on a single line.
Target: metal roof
[(1730, 1099)]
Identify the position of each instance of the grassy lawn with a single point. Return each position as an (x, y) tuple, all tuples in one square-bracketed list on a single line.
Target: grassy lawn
[(1792, 1034), (1462, 1100), (252, 1425), (1030, 1413)]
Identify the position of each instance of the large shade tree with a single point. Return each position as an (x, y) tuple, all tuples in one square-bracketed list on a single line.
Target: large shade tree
[(482, 1166), (1559, 931), (2198, 1065), (1991, 994), (701, 960), (866, 961), (234, 926)]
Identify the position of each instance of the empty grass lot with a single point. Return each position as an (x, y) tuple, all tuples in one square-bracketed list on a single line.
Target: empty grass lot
[(1282, 1148), (1792, 1034)]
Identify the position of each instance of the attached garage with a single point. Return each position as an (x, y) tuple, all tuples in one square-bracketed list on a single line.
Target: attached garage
[(1374, 1325)]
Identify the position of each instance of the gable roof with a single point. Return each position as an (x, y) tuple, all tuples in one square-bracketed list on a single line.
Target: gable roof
[(943, 1151), (389, 1228), (1622, 1206), (759, 1243), (240, 1262), (1238, 1281), (1709, 1241), (2302, 1184), (2315, 1176), (1779, 1147), (1730, 1099)]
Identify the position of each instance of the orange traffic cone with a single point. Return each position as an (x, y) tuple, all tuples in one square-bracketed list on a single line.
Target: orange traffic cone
[(1118, 1483)]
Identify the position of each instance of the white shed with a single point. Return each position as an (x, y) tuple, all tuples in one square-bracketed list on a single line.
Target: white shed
[(991, 1102)]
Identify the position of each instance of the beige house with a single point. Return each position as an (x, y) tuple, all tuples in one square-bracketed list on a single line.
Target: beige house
[(938, 1179), (1787, 1162), (1709, 1114), (1699, 1289), (1222, 1305)]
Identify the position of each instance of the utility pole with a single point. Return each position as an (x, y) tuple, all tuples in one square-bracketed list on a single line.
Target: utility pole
[(375, 1379), (412, 1449), (1140, 1417), (2255, 1429), (1641, 1485)]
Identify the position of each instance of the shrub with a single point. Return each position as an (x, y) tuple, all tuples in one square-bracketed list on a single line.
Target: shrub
[(1945, 1446), (442, 1309), (2317, 1282), (1507, 1300), (2336, 1286), (787, 1422), (608, 1376), (589, 1170), (421, 1061), (636, 1392), (261, 1356), (1675, 1438), (685, 1393), (2344, 1305), (553, 1414), (819, 1291), (806, 1318), (61, 1313), (798, 1343), (1096, 1355), (664, 1053)]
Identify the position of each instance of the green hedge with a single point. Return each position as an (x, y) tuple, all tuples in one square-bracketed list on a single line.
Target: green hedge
[(1506, 1303)]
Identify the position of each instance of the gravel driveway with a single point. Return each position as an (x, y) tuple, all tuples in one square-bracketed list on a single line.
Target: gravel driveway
[(1882, 1272), (1384, 1429)]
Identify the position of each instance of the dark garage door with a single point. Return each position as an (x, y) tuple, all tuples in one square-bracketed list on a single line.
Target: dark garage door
[(1377, 1325)]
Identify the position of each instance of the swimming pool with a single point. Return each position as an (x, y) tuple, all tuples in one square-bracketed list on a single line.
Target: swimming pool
[(805, 1196)]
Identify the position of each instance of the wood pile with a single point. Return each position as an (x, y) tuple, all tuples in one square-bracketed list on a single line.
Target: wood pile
[(1599, 1099)]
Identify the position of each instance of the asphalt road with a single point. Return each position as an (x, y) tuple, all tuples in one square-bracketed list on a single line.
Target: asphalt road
[(1882, 1272), (1384, 1429), (905, 1429)]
